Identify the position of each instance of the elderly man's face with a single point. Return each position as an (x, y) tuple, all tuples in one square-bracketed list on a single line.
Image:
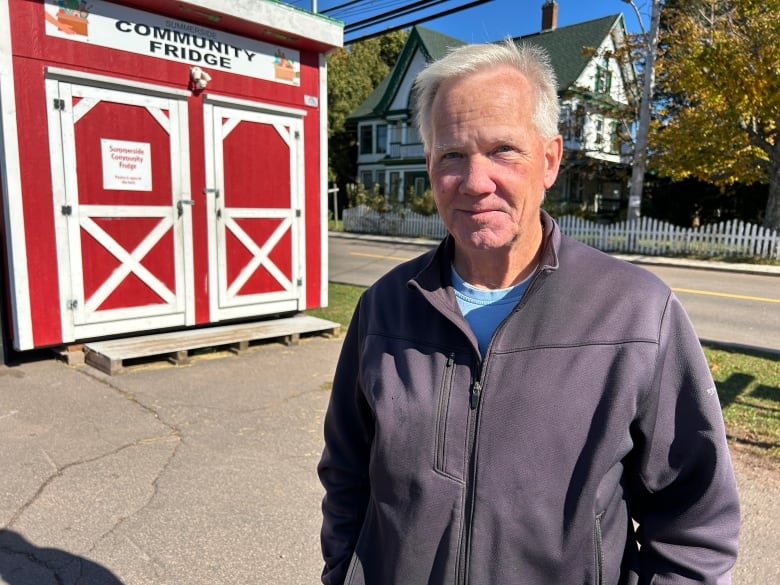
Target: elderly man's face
[(488, 165)]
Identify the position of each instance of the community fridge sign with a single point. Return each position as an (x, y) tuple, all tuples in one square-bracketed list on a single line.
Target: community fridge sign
[(126, 29)]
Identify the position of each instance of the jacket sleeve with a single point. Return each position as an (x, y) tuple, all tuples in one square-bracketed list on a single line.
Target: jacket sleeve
[(343, 467), (685, 502)]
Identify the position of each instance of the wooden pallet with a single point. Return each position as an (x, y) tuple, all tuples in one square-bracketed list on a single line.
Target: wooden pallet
[(110, 356)]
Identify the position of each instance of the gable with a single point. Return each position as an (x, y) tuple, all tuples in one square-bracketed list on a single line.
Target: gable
[(570, 47), (401, 98), (392, 93), (599, 63)]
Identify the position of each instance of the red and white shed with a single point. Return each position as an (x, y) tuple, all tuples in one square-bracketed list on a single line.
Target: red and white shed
[(164, 164)]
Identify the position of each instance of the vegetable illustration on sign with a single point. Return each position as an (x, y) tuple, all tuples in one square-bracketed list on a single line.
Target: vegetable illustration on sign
[(71, 18), (283, 67)]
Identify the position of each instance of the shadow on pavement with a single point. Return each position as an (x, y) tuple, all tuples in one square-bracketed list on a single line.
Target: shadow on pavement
[(22, 563)]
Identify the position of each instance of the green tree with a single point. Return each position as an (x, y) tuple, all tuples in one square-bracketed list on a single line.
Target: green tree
[(719, 110), (353, 73)]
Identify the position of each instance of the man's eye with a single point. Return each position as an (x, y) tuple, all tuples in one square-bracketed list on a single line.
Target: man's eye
[(503, 148), (450, 155)]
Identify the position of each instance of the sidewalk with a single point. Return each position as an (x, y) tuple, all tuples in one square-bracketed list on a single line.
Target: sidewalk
[(200, 474)]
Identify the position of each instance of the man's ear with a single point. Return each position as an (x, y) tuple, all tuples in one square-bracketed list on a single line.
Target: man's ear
[(553, 151)]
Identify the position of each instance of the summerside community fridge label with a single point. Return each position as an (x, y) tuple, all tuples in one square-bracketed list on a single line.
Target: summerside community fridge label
[(127, 166), (108, 25)]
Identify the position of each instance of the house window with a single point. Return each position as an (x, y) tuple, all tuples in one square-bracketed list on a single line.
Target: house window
[(615, 138), (381, 139), (367, 178), (395, 185), (564, 124), (419, 186), (414, 182), (599, 131), (603, 79), (366, 139), (380, 181), (579, 123)]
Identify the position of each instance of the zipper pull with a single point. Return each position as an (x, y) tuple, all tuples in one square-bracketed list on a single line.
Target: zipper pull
[(476, 390)]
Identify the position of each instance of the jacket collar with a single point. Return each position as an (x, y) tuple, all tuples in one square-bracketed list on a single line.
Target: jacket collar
[(436, 273)]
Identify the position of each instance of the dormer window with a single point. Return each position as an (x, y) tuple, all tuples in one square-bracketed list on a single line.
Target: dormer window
[(603, 79)]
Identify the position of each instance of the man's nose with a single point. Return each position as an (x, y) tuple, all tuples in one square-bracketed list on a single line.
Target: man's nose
[(477, 177)]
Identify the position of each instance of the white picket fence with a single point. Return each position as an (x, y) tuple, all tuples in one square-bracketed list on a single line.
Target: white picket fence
[(362, 219), (654, 237), (645, 235)]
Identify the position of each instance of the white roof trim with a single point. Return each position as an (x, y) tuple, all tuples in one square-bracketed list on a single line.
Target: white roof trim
[(280, 17)]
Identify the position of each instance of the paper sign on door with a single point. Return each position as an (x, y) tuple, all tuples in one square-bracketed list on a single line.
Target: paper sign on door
[(127, 166)]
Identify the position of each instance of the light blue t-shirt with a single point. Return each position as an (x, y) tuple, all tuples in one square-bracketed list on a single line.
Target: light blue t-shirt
[(484, 309)]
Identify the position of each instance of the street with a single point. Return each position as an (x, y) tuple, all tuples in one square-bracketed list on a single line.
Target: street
[(725, 307)]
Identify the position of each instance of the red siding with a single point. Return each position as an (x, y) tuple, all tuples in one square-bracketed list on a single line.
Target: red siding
[(33, 51)]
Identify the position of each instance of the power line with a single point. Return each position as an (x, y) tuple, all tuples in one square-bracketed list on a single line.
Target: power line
[(411, 23), (384, 17), (368, 9)]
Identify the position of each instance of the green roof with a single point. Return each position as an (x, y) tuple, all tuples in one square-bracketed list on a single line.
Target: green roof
[(565, 46), (435, 44)]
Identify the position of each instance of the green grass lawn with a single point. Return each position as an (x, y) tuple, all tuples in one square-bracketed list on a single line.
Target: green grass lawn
[(748, 383), (749, 389)]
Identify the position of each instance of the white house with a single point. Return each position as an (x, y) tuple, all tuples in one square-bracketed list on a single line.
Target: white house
[(596, 116)]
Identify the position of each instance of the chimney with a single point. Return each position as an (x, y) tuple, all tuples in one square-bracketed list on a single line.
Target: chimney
[(549, 15)]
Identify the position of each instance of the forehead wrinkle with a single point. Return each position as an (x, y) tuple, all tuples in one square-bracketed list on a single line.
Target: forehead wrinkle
[(504, 138), (441, 146)]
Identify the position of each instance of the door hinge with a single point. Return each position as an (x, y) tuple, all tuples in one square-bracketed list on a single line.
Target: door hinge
[(297, 135), (58, 103), (298, 213), (66, 210), (300, 282), (72, 305)]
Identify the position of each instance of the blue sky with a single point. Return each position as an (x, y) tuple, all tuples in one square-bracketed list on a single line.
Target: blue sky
[(496, 19)]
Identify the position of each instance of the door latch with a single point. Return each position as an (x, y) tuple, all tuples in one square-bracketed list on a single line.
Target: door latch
[(181, 203)]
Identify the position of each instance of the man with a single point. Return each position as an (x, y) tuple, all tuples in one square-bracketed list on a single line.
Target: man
[(515, 407)]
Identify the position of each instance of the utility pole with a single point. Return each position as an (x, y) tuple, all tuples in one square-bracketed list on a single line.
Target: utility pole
[(642, 133)]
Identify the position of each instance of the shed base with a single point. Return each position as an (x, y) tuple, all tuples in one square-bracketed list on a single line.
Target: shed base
[(110, 356)]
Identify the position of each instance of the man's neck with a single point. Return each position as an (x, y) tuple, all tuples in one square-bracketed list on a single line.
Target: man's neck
[(496, 269)]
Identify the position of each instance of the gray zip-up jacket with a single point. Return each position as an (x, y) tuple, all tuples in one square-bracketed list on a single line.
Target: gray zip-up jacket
[(592, 410)]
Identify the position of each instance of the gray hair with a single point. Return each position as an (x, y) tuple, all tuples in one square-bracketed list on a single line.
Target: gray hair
[(530, 60)]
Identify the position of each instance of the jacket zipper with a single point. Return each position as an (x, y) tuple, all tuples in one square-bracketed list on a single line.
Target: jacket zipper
[(599, 552), (444, 401), (475, 395)]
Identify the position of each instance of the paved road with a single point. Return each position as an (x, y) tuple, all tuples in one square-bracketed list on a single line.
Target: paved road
[(726, 307)]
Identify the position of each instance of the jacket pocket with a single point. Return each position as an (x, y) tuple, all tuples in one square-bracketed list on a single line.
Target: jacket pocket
[(598, 552), (442, 419)]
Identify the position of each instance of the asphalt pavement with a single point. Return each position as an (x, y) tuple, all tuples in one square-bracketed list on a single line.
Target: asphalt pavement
[(201, 474), (165, 475)]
